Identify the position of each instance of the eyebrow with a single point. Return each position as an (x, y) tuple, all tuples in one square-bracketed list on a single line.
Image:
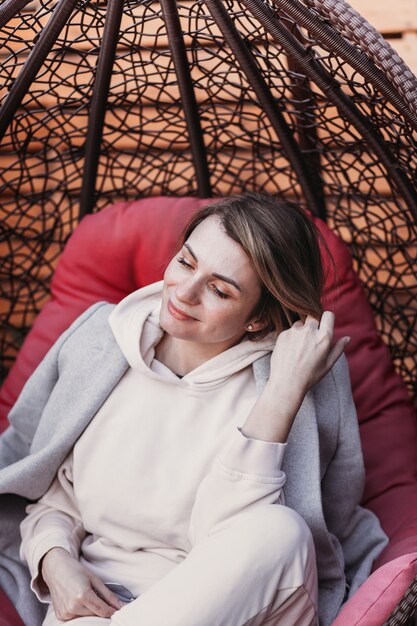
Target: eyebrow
[(220, 276)]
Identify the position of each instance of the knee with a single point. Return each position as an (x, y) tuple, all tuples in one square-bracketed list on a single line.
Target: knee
[(275, 533)]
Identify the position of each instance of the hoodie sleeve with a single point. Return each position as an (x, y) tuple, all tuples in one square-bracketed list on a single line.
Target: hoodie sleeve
[(54, 521), (246, 472)]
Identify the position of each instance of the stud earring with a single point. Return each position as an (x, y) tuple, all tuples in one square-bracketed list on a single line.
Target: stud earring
[(250, 327)]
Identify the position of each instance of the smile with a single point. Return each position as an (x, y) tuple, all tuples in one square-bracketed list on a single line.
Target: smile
[(177, 313)]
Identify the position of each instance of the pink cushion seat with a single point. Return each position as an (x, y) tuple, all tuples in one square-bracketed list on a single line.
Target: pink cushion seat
[(128, 245), (373, 602)]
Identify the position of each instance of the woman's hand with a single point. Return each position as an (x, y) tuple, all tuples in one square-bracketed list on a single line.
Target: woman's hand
[(75, 591), (302, 355), (305, 353)]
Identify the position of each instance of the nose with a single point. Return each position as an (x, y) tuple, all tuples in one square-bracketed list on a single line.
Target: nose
[(187, 290)]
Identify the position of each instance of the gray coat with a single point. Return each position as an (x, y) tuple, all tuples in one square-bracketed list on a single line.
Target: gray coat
[(323, 460)]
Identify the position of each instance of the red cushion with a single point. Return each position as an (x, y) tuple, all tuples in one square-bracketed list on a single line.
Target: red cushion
[(128, 245), (8, 615)]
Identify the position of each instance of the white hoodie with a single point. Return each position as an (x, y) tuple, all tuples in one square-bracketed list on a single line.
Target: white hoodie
[(162, 463)]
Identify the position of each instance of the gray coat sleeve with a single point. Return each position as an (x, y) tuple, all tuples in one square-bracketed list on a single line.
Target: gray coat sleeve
[(357, 529), (25, 415)]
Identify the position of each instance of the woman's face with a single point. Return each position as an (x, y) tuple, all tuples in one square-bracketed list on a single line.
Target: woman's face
[(210, 289)]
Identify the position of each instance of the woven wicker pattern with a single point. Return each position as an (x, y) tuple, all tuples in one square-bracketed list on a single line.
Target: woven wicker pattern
[(103, 101), (348, 21), (406, 612)]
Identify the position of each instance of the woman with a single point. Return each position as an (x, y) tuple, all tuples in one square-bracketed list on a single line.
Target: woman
[(175, 488)]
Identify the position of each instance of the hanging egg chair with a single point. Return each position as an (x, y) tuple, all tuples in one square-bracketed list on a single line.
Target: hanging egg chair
[(108, 103)]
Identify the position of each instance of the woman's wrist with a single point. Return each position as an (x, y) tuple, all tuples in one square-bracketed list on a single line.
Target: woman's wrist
[(290, 395), (47, 563), (286, 387), (273, 414)]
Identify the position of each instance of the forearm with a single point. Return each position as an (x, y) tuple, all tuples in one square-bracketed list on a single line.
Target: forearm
[(245, 474), (273, 413), (52, 522), (42, 531)]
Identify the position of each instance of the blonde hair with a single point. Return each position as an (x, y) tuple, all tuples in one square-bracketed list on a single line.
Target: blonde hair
[(282, 243)]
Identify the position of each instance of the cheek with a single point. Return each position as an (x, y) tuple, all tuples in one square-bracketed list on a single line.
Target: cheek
[(222, 316), (171, 271)]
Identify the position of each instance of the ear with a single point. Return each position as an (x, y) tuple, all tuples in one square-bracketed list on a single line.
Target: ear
[(254, 326)]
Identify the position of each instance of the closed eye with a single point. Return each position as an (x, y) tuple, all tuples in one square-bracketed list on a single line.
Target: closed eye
[(218, 293), (182, 261)]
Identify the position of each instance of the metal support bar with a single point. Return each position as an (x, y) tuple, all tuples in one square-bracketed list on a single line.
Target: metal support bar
[(99, 103), (266, 100), (34, 62), (328, 85), (9, 9), (185, 83), (305, 106), (334, 42)]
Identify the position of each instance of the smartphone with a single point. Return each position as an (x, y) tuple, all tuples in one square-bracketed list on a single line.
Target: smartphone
[(121, 591)]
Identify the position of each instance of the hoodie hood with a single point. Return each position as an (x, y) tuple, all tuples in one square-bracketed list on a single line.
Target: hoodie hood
[(135, 325)]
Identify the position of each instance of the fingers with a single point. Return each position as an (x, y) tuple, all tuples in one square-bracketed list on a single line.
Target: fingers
[(312, 322), (100, 600), (311, 350), (327, 322), (336, 352), (97, 605), (77, 592), (326, 327), (105, 594), (308, 320), (89, 602)]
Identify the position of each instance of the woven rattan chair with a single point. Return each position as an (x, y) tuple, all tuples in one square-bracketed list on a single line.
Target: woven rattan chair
[(106, 101)]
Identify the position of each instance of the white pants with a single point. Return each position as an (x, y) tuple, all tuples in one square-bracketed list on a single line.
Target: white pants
[(257, 568)]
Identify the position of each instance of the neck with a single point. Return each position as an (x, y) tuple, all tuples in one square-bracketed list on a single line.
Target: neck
[(183, 356)]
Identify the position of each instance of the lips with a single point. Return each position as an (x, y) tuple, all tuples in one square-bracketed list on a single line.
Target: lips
[(177, 313)]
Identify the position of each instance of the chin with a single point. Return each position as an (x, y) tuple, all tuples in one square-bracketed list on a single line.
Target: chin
[(175, 328)]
